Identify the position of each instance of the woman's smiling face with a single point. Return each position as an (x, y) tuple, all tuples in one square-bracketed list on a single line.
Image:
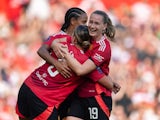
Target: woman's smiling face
[(96, 25)]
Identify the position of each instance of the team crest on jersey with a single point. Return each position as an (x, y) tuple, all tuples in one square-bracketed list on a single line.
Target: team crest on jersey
[(98, 57)]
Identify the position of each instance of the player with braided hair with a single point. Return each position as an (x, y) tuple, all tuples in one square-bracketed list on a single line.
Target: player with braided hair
[(73, 17)]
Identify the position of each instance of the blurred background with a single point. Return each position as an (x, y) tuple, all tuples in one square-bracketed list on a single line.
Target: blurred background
[(135, 64)]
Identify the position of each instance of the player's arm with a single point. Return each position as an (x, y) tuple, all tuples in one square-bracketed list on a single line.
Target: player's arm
[(77, 67), (88, 66), (108, 83), (105, 80), (44, 52)]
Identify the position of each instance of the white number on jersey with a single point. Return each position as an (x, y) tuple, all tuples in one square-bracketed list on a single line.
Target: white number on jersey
[(93, 112), (51, 73)]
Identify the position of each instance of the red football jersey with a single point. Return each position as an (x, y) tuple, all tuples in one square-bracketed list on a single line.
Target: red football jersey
[(100, 54), (50, 86)]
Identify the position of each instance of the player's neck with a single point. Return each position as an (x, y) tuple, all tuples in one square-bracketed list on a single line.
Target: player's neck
[(69, 31), (97, 38)]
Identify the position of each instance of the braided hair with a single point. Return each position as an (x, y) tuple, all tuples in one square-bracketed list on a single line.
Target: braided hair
[(71, 13)]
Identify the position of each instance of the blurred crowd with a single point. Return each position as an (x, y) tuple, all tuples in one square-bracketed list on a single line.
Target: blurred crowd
[(135, 63)]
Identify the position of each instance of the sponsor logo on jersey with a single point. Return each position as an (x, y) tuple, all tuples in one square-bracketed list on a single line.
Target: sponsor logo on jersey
[(98, 57), (41, 78)]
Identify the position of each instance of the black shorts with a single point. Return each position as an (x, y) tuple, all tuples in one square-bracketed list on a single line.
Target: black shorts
[(92, 108), (30, 106), (65, 105)]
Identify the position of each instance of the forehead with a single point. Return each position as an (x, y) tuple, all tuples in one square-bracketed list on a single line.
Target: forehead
[(83, 16), (96, 17)]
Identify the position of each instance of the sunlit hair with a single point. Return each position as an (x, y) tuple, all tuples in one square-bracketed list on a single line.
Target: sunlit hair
[(71, 13), (110, 29), (82, 36)]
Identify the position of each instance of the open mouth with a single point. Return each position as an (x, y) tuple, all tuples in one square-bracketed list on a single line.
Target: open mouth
[(92, 31)]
